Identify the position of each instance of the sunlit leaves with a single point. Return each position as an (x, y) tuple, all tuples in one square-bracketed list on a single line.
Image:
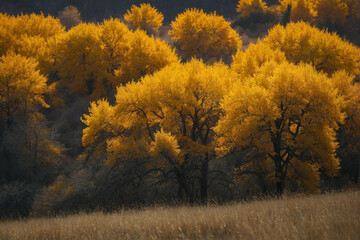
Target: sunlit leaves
[(248, 7), (326, 51), (204, 35), (288, 112), (28, 35), (21, 84), (144, 17), (248, 62), (181, 100)]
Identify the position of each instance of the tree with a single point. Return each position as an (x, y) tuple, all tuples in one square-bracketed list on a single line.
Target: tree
[(69, 16), (80, 60), (167, 116), (247, 63), (145, 56), (94, 60), (144, 17), (303, 43), (26, 143), (204, 35), (332, 12), (248, 7), (288, 115), (301, 10), (22, 87), (28, 35)]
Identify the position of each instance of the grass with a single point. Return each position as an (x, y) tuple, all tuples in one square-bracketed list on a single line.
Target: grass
[(329, 216)]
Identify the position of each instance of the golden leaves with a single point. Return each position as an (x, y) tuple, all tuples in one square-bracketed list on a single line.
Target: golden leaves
[(248, 7), (303, 43), (204, 35), (144, 17), (21, 84)]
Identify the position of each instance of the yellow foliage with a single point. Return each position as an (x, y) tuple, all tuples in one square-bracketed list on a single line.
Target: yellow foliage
[(95, 60), (98, 119), (115, 37), (169, 112), (286, 112), (248, 7), (166, 145), (326, 51), (248, 62), (21, 84), (144, 17), (204, 35), (80, 60), (145, 55), (306, 175), (28, 35)]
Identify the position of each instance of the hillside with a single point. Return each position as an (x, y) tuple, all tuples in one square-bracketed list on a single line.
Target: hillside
[(329, 216)]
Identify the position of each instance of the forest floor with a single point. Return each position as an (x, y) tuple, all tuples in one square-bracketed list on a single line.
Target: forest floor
[(326, 216)]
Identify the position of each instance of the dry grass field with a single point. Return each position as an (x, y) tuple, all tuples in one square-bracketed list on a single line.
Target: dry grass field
[(330, 216)]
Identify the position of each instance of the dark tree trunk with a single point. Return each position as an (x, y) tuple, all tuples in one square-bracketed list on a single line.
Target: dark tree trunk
[(279, 188), (204, 180)]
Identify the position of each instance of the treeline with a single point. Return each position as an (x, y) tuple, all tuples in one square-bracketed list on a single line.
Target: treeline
[(93, 10), (109, 114)]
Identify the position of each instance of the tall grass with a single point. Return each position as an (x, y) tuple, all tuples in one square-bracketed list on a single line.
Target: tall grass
[(330, 216)]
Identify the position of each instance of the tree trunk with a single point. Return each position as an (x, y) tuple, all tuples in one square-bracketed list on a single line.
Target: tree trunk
[(279, 188), (204, 180), (180, 192)]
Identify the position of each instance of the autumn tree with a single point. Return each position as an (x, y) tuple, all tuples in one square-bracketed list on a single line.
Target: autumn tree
[(288, 115), (248, 63), (27, 144), (28, 35), (248, 7), (94, 60), (167, 116), (22, 87), (80, 63), (144, 17), (144, 56), (205, 36), (303, 43)]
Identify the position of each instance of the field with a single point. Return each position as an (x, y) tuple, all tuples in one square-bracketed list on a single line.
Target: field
[(329, 216)]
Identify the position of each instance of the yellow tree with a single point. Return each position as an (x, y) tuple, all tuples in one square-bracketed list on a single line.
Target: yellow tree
[(115, 37), (168, 116), (145, 55), (205, 36), (247, 63), (22, 87), (326, 51), (94, 60), (248, 7), (288, 115), (79, 61), (144, 17), (28, 35)]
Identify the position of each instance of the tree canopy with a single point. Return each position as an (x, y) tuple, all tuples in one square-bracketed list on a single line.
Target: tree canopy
[(144, 17), (303, 43), (204, 35), (288, 114)]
